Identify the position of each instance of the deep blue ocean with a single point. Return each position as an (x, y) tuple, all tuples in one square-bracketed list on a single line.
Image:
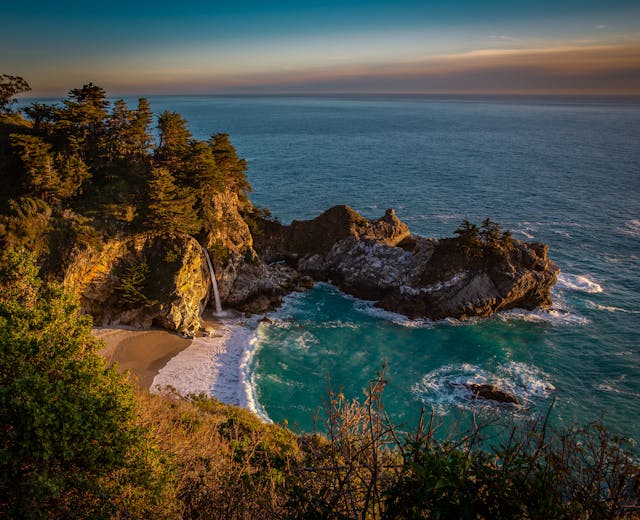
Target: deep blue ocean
[(559, 170)]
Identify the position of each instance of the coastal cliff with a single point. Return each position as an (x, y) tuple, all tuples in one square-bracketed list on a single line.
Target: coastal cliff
[(162, 279), (120, 213), (144, 280)]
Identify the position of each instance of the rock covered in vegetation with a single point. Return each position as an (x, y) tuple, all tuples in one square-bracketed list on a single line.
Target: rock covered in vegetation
[(148, 279), (415, 276)]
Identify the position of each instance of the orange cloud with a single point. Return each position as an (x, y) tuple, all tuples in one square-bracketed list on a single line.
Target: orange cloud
[(589, 69)]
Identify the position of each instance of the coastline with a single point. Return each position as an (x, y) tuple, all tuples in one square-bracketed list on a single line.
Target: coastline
[(163, 361)]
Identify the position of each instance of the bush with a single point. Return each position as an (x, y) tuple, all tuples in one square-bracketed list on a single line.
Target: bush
[(69, 442)]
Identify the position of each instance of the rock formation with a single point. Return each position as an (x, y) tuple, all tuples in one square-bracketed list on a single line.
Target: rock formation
[(489, 392), (148, 279), (163, 279), (418, 277)]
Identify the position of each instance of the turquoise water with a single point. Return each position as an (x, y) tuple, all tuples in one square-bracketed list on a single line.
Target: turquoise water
[(563, 171)]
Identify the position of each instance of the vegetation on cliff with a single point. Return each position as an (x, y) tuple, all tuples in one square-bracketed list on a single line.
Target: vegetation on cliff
[(76, 174)]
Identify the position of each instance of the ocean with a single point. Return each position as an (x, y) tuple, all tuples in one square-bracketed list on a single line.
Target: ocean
[(565, 171)]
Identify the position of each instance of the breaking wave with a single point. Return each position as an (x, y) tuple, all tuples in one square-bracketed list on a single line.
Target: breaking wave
[(556, 317), (578, 282), (610, 308)]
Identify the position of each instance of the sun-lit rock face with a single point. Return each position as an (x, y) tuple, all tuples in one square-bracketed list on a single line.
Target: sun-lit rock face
[(148, 279)]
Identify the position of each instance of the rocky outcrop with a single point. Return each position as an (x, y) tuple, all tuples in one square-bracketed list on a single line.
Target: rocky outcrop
[(163, 279), (228, 239), (415, 276), (144, 280), (259, 287), (489, 392), (304, 238)]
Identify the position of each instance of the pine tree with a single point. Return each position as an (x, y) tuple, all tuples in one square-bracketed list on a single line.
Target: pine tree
[(174, 141), (38, 162), (41, 114), (232, 167), (82, 120), (141, 136), (171, 208), (490, 232), (9, 87)]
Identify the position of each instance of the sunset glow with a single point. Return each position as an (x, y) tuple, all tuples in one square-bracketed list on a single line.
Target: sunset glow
[(284, 47)]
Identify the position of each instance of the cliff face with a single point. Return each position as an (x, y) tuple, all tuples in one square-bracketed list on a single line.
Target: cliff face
[(306, 238), (228, 240), (148, 279)]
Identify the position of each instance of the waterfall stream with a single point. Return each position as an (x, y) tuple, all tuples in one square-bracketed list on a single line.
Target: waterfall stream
[(214, 282)]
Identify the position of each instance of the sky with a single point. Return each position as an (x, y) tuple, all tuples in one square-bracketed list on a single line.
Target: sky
[(329, 46)]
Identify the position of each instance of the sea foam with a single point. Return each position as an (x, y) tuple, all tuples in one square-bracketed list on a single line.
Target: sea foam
[(578, 282), (555, 317), (610, 308), (217, 366), (444, 387)]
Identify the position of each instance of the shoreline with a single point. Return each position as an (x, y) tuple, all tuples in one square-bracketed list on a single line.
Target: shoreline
[(215, 365), (162, 361), (142, 352)]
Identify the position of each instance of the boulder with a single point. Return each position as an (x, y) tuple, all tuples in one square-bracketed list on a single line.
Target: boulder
[(490, 392)]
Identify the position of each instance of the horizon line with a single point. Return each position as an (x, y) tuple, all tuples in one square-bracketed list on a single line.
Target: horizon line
[(456, 93)]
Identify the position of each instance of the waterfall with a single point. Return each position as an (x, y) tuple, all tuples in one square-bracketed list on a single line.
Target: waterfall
[(214, 282)]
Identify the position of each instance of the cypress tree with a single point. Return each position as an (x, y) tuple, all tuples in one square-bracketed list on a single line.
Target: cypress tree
[(231, 166), (171, 207)]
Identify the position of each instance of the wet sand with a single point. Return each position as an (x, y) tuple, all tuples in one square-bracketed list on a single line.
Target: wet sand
[(142, 352)]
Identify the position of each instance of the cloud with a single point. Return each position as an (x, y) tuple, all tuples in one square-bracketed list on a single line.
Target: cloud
[(588, 69), (600, 26), (592, 66), (504, 38)]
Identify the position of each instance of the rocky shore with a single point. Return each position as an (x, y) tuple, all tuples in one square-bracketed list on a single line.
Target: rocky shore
[(162, 279)]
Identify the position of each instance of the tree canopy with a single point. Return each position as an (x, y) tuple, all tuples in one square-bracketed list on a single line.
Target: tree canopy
[(89, 167), (10, 86)]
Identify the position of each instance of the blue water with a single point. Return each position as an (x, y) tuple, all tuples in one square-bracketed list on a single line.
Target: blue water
[(563, 171)]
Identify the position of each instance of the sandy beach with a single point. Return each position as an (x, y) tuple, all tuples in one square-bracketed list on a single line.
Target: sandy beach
[(215, 365), (142, 352)]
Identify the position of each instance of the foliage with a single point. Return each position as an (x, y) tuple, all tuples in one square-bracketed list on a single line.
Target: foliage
[(69, 446), (226, 462), (131, 288), (488, 236), (171, 207), (9, 87)]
